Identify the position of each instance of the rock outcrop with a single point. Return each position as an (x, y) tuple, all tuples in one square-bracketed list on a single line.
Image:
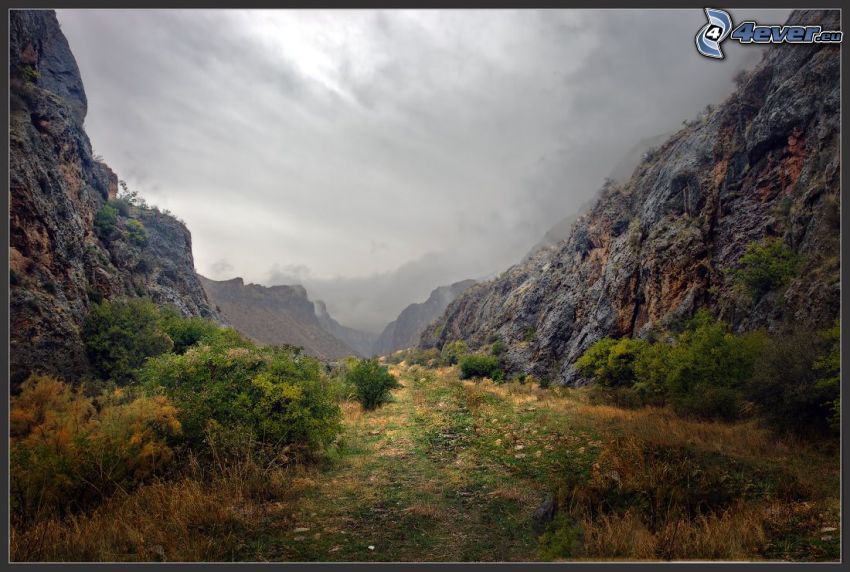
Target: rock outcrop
[(59, 262), (361, 342), (404, 331), (275, 315), (654, 249)]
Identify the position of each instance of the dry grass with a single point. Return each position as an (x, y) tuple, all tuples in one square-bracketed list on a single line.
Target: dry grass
[(197, 518), (735, 534)]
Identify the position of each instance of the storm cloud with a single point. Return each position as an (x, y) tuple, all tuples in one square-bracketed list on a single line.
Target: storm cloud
[(375, 155)]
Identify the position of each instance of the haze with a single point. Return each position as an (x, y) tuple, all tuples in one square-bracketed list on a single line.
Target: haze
[(375, 155)]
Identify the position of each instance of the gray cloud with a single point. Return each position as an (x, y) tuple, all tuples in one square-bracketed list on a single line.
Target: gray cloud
[(374, 155)]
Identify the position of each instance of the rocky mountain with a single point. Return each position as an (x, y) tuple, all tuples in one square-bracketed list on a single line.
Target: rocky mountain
[(404, 331), (60, 260), (275, 315), (358, 340), (655, 248)]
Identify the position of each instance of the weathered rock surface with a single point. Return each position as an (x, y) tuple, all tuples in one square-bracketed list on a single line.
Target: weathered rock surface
[(358, 340), (276, 315), (655, 248), (404, 331), (58, 262)]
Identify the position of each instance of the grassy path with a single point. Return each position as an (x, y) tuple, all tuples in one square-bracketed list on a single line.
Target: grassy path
[(445, 472), (454, 471)]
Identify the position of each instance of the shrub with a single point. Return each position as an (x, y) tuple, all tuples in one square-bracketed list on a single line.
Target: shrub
[(186, 332), (702, 371), (611, 362), (137, 232), (765, 267), (67, 449), (477, 365), (498, 348), (453, 352), (373, 383), (789, 384), (121, 335), (122, 205), (105, 219), (275, 395)]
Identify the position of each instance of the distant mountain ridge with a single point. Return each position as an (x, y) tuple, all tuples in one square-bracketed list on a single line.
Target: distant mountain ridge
[(274, 315), (358, 340), (404, 331)]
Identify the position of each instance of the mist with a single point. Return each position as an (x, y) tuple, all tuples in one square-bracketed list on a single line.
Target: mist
[(375, 155)]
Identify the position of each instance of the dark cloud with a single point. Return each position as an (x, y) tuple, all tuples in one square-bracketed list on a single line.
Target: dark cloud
[(374, 155)]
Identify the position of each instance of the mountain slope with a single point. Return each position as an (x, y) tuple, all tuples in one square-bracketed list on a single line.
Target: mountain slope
[(58, 262), (276, 315), (358, 340), (657, 247), (404, 331)]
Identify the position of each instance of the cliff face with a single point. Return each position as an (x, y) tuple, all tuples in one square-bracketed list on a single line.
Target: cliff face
[(404, 331), (361, 342), (59, 263), (275, 316), (655, 248)]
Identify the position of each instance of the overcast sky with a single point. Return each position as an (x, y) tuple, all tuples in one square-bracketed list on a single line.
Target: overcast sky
[(375, 155)]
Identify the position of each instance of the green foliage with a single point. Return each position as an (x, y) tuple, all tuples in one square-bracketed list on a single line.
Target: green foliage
[(30, 74), (796, 382), (69, 449), (701, 371), (477, 365), (498, 348), (611, 362), (372, 381), (453, 352), (829, 365), (561, 538), (765, 266), (122, 205), (276, 395), (186, 332), (137, 232), (121, 335), (105, 219)]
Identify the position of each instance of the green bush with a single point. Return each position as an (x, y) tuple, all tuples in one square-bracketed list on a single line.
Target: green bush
[(477, 365), (796, 382), (498, 348), (137, 232), (701, 372), (765, 266), (105, 219), (453, 352), (186, 332), (611, 362), (276, 395), (372, 381), (120, 335), (121, 205)]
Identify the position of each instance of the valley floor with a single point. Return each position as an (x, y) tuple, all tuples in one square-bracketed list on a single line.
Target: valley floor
[(455, 470)]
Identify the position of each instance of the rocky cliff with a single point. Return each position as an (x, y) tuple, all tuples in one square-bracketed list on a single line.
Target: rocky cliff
[(655, 248), (59, 262), (361, 342), (404, 331), (275, 315)]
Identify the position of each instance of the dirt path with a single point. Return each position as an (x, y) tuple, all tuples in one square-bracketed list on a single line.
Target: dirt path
[(446, 472)]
